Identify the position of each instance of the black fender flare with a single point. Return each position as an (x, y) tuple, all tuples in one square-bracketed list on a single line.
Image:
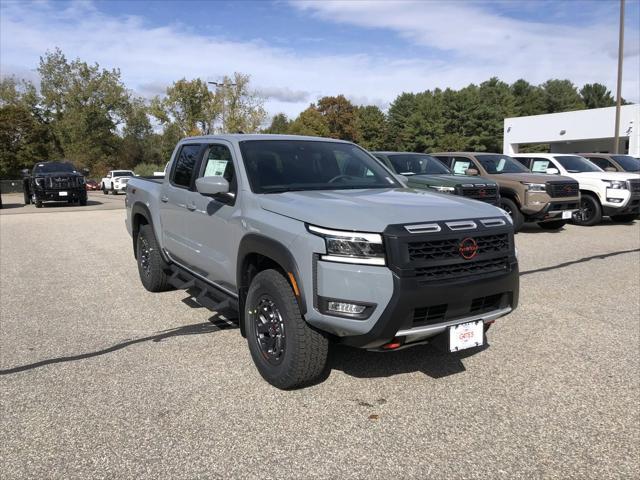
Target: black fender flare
[(274, 250), (140, 208), (511, 194)]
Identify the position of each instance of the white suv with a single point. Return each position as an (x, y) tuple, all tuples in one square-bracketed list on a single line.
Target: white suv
[(116, 181), (613, 194)]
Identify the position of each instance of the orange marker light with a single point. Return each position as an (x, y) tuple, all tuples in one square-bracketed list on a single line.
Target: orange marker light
[(294, 284)]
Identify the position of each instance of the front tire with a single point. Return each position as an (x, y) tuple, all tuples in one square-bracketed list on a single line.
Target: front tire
[(552, 225), (104, 190), (287, 352), (627, 218), (83, 199), (151, 265), (514, 212), (590, 211)]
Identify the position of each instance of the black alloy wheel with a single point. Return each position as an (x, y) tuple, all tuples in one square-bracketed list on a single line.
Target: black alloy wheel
[(269, 330)]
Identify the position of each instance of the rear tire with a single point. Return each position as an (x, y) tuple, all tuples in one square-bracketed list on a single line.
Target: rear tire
[(104, 190), (287, 352), (590, 211), (151, 265), (552, 225), (514, 212), (628, 218), (27, 198)]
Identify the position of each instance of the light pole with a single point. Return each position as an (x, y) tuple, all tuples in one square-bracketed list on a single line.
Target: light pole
[(223, 86), (616, 138)]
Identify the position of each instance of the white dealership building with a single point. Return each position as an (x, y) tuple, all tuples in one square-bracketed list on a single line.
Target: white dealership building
[(575, 132)]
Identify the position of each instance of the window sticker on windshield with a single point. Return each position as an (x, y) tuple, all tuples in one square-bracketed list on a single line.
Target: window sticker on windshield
[(215, 168)]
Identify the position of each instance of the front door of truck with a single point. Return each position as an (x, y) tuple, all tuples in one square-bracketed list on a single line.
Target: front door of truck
[(173, 201), (213, 223)]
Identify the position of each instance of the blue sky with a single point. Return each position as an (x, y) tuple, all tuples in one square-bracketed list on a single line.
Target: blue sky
[(297, 51)]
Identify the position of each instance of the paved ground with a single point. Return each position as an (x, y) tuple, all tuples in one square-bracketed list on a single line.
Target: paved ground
[(100, 379)]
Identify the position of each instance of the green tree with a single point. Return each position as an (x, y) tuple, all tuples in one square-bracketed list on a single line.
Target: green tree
[(310, 122), (242, 108), (528, 99), (371, 127), (400, 111), (561, 96), (339, 115), (280, 124), (596, 95)]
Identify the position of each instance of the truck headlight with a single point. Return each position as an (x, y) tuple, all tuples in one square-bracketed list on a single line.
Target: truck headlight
[(442, 189), (616, 184), (351, 247), (535, 187), (39, 182), (506, 215)]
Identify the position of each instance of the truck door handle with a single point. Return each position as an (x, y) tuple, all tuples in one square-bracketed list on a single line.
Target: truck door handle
[(191, 206), (164, 199)]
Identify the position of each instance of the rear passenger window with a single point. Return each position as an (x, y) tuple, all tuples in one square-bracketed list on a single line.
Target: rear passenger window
[(461, 165), (601, 162), (184, 166)]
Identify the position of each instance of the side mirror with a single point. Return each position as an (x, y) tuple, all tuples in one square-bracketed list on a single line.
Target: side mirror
[(212, 185), (25, 172), (108, 175), (553, 171), (471, 171), (403, 179), (610, 169), (85, 172)]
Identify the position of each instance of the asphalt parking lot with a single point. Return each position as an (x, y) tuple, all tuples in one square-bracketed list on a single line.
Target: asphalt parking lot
[(101, 379)]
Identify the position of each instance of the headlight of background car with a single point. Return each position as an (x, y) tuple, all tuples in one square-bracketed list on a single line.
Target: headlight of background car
[(351, 247), (39, 182), (617, 184), (443, 189), (535, 187)]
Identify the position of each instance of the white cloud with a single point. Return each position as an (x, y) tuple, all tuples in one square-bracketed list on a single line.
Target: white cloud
[(478, 45)]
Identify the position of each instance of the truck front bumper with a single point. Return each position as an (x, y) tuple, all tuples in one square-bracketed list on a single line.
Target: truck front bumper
[(620, 202), (60, 195)]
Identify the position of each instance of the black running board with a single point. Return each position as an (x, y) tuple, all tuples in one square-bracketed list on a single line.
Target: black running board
[(202, 292)]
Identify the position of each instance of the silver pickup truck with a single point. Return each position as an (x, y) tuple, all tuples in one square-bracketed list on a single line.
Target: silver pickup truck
[(312, 240)]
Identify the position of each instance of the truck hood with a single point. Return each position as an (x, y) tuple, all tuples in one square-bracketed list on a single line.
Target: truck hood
[(606, 175), (448, 180), (371, 210), (529, 177)]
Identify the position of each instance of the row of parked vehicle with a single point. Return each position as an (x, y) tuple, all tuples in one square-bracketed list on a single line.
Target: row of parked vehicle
[(311, 240)]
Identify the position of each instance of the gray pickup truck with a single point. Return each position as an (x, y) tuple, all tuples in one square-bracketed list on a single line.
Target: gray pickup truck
[(312, 240)]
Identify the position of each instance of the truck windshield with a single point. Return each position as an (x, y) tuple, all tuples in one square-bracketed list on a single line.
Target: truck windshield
[(287, 165), (416, 164), (627, 162), (53, 167), (495, 164), (576, 164), (123, 173)]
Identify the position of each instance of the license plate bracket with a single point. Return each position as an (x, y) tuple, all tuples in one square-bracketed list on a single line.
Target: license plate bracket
[(466, 335), (567, 214)]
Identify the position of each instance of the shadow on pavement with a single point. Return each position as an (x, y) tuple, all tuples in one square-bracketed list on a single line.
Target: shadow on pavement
[(580, 260), (214, 325)]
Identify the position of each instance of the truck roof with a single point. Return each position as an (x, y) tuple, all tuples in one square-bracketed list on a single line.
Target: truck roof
[(239, 137)]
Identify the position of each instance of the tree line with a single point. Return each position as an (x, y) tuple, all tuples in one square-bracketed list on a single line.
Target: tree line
[(84, 113)]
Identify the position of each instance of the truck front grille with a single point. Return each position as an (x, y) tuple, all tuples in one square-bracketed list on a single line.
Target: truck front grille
[(429, 315), (61, 183), (450, 247), (466, 269), (562, 189), (487, 194)]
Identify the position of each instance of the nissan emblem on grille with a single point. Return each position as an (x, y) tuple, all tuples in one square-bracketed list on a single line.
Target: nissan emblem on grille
[(468, 248)]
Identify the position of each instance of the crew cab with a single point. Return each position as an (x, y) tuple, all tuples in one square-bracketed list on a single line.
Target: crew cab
[(548, 200), (311, 241), (613, 194), (426, 172), (115, 181), (54, 181), (613, 162)]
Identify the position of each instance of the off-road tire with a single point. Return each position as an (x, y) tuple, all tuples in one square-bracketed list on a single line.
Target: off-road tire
[(553, 224), (27, 198), (512, 208), (305, 350), (151, 266), (83, 200), (37, 203), (627, 218), (104, 189), (590, 204)]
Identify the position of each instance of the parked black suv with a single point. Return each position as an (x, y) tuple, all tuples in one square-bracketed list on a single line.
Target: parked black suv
[(54, 181)]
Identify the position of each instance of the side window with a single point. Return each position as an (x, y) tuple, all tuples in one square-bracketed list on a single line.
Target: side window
[(461, 165), (445, 160), (218, 163), (184, 165), (601, 162), (540, 165), (525, 161)]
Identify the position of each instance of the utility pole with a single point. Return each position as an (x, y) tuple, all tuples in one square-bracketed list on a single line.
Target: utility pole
[(616, 137), (223, 86)]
